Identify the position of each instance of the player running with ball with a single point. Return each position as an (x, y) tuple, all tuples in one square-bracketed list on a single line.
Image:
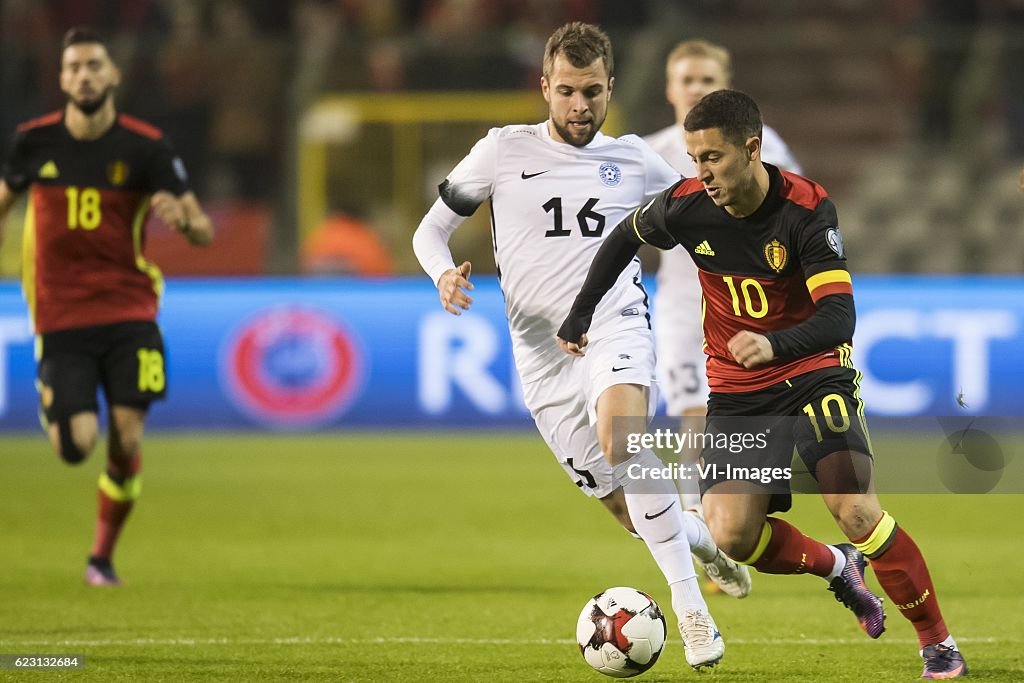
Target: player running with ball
[(555, 187), (778, 321)]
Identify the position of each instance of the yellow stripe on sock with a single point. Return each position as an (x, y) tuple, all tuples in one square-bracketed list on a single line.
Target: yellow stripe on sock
[(762, 543), (129, 490), (879, 537)]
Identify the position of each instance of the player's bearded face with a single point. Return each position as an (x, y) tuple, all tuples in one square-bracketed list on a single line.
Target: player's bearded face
[(88, 103), (577, 100), (88, 77)]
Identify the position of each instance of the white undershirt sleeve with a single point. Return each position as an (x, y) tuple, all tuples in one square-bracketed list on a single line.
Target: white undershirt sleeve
[(430, 241)]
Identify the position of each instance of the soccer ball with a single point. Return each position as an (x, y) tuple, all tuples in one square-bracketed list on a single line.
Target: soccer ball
[(621, 632)]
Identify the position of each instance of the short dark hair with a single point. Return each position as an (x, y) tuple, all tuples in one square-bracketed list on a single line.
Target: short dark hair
[(581, 43), (81, 34), (733, 112)]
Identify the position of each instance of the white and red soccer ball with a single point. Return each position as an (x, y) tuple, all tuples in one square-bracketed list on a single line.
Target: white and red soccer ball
[(621, 632)]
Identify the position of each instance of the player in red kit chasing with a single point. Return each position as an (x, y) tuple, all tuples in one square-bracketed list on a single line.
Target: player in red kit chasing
[(92, 175), (778, 322)]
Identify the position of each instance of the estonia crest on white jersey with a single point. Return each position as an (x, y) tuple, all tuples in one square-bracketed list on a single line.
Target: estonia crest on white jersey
[(551, 206)]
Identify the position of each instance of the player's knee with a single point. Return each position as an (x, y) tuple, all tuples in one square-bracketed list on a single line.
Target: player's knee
[(128, 444), (733, 538), (74, 443), (605, 440), (614, 442), (72, 453), (855, 516)]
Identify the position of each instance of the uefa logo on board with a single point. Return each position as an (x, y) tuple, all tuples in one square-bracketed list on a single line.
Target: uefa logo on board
[(292, 367)]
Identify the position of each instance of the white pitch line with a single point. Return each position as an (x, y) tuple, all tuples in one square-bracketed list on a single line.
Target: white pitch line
[(192, 642)]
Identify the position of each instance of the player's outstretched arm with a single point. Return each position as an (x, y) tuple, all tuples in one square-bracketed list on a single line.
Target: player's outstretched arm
[(430, 244), (185, 215), (615, 253), (7, 199)]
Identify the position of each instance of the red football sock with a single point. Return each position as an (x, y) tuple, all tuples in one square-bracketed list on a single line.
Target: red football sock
[(790, 552), (903, 574), (113, 513)]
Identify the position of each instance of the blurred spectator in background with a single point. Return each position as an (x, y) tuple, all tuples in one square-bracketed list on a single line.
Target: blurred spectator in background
[(246, 71), (470, 33), (946, 31), (345, 244), (181, 66), (230, 80), (26, 44), (1013, 70), (316, 25)]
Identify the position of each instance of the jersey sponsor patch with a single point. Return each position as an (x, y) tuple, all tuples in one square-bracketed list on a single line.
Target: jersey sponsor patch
[(776, 254), (610, 174), (835, 241)]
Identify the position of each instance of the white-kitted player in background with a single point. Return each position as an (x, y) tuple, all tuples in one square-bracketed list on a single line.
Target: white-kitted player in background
[(693, 69), (555, 188)]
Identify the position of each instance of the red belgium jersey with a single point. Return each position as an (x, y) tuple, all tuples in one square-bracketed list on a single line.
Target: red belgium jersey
[(83, 261), (763, 273)]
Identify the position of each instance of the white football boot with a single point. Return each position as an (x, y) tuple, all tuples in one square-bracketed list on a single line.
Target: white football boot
[(703, 643), (732, 578)]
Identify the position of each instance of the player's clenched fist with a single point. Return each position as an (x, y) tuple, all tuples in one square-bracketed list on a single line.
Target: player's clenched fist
[(573, 348), (169, 210), (451, 288), (751, 349)]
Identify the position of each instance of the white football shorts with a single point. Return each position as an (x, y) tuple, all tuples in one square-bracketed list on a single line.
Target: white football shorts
[(563, 402), (679, 334)]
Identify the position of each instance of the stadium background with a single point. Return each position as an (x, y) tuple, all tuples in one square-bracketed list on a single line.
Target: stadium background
[(316, 132)]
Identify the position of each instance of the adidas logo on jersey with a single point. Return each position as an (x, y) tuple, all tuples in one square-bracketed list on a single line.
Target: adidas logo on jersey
[(49, 170), (704, 249)]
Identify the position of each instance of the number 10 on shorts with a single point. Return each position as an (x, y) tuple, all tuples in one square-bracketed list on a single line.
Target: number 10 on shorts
[(832, 406)]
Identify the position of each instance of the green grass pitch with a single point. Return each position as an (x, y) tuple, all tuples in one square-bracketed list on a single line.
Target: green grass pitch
[(426, 557)]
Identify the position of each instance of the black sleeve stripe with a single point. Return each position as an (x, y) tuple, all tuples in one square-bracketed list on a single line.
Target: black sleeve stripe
[(460, 204)]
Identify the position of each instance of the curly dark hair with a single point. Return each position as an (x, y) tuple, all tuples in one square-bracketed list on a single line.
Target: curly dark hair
[(733, 112)]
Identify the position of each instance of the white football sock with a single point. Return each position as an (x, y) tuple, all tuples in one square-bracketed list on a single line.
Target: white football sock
[(948, 642), (686, 594), (699, 537), (840, 564), (656, 513), (689, 491)]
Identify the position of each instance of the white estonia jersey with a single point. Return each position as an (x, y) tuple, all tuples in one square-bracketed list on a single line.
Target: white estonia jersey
[(551, 205), (670, 143)]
